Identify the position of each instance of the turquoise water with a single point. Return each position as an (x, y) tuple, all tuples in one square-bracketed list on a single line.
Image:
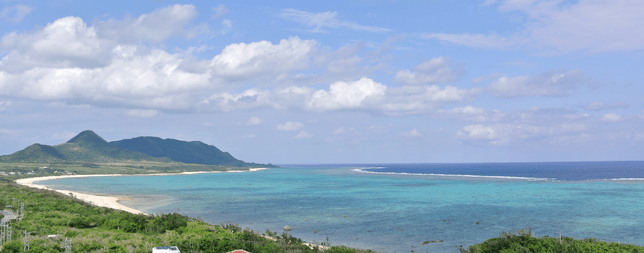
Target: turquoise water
[(386, 212)]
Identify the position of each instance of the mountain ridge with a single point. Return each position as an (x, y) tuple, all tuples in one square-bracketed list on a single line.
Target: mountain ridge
[(89, 147)]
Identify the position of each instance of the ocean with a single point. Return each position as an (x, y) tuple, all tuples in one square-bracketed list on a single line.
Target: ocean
[(396, 207)]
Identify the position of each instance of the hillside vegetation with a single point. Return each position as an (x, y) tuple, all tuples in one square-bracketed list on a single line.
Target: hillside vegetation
[(181, 151), (524, 241), (97, 229), (88, 147)]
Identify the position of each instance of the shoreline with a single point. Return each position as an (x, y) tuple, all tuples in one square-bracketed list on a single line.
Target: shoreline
[(105, 201)]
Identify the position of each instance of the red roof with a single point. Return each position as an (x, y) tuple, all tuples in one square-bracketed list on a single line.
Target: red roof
[(238, 251)]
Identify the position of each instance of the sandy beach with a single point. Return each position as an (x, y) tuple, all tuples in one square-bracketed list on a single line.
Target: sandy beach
[(105, 201)]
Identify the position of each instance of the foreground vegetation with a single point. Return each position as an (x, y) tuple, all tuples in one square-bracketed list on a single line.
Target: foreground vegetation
[(51, 217), (524, 241)]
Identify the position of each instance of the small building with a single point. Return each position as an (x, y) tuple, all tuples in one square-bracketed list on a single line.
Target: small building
[(165, 249), (238, 251)]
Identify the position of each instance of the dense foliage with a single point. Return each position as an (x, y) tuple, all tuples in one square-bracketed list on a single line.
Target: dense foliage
[(524, 241), (182, 151), (97, 229), (89, 148), (85, 147)]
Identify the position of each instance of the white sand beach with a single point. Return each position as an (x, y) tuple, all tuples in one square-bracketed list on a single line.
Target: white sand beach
[(104, 201)]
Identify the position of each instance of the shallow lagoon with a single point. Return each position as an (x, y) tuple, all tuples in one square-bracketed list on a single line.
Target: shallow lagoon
[(386, 212)]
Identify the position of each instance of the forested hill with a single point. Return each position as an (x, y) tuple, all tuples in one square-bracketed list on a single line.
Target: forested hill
[(86, 147), (180, 151), (89, 147)]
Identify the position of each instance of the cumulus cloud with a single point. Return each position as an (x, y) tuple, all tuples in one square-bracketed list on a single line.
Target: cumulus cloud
[(254, 121), (302, 135), (600, 105), (239, 61), (69, 60), (363, 94), (67, 42), (596, 26), (290, 126), (139, 113), (547, 84), (219, 11), (434, 71), (320, 20), (343, 95), (16, 13), (611, 117)]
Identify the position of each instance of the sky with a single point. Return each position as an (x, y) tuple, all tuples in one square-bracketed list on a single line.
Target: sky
[(354, 81)]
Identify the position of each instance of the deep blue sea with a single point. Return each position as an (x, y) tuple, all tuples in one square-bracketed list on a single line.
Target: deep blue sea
[(392, 207)]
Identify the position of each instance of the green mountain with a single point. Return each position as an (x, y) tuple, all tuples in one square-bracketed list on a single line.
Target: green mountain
[(89, 147), (180, 151), (35, 153)]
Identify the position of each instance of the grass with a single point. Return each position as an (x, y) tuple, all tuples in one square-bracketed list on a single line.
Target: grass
[(98, 229)]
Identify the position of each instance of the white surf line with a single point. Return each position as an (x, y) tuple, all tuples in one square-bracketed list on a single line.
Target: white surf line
[(452, 175)]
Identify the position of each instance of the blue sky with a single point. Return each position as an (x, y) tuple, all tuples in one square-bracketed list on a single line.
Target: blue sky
[(331, 82)]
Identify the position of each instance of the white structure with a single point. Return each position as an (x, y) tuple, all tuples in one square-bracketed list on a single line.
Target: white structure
[(165, 249)]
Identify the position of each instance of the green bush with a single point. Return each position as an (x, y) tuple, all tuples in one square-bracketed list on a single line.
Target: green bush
[(524, 241), (94, 229)]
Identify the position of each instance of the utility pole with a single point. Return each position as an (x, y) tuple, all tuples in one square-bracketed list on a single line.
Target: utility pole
[(3, 224), (68, 245), (26, 247)]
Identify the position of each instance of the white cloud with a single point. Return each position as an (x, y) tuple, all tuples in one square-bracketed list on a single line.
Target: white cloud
[(363, 94), (4, 105), (8, 132), (65, 135), (502, 134), (470, 113), (478, 40), (600, 105), (343, 95), (611, 117), (248, 136), (434, 71), (328, 19), (219, 11), (596, 26), (547, 84), (254, 121), (226, 26), (154, 27), (67, 42), (241, 60), (16, 13), (290, 126), (139, 113), (412, 133), (339, 131), (302, 135)]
